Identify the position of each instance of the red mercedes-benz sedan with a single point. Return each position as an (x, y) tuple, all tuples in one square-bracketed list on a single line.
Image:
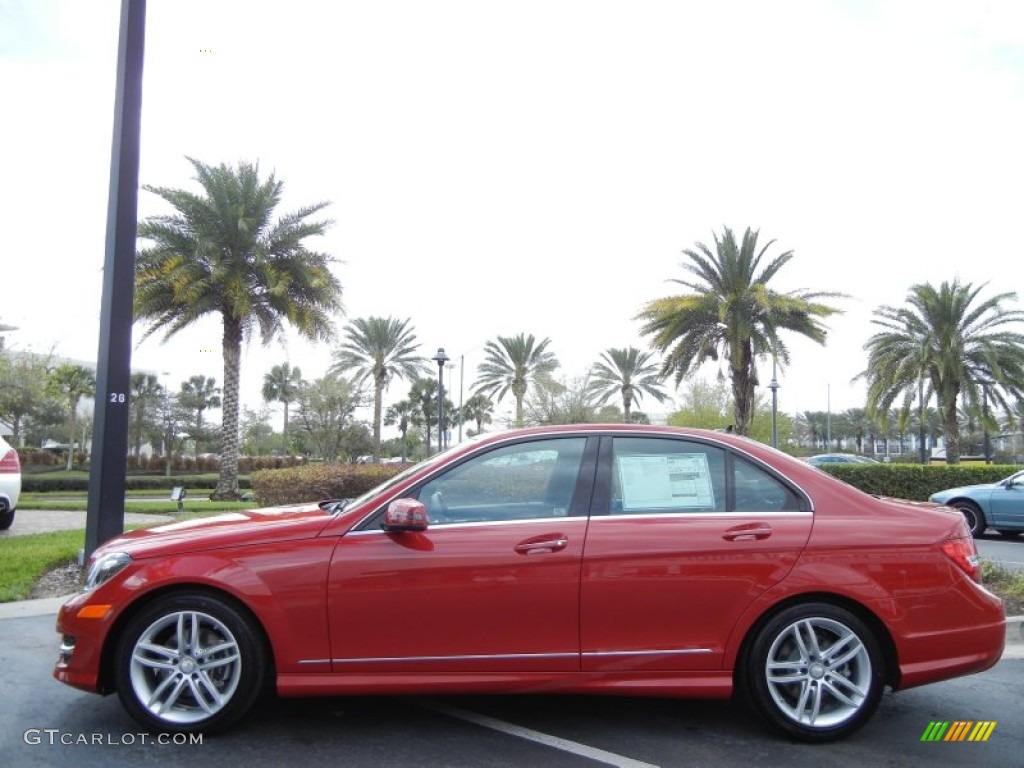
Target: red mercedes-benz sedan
[(585, 559)]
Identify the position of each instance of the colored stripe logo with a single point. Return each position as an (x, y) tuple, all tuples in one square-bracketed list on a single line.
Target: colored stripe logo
[(959, 730)]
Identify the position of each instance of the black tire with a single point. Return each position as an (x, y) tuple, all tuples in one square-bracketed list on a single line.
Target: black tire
[(6, 518), (804, 697), (209, 669), (973, 515)]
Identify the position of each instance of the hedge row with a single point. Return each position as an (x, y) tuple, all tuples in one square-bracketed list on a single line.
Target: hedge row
[(915, 481), (42, 483), (318, 482)]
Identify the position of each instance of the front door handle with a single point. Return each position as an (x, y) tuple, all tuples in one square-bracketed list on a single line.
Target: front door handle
[(541, 544), (747, 532)]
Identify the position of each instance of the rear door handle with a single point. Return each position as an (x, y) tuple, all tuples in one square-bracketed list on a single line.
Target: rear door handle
[(542, 544), (748, 532)]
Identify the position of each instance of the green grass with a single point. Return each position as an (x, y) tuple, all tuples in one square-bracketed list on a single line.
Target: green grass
[(144, 507), (1008, 584), (23, 559)]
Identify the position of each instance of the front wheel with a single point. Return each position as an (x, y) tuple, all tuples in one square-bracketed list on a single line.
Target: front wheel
[(973, 515), (816, 672), (189, 662)]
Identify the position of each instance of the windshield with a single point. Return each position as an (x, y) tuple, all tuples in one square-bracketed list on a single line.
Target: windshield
[(391, 482)]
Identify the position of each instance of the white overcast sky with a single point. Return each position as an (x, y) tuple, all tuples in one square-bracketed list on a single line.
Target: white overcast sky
[(531, 166)]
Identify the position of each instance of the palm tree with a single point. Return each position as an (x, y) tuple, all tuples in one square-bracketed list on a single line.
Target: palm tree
[(197, 394), (628, 373), (512, 363), (221, 253), (380, 349), (423, 398), (72, 383), (282, 385), (956, 343), (859, 425), (144, 397), (401, 414), (478, 409), (732, 313)]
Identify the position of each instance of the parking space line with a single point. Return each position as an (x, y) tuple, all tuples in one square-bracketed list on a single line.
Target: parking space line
[(573, 747)]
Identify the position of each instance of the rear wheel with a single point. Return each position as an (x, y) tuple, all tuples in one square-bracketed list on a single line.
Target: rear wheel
[(6, 516), (973, 515), (816, 672), (189, 662)]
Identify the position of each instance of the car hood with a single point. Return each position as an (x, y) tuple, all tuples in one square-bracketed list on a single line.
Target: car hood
[(965, 490), (232, 529)]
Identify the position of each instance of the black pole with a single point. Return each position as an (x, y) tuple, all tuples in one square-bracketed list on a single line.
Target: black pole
[(440, 358), (105, 516)]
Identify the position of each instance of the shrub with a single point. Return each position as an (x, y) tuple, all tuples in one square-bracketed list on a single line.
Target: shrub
[(915, 481), (157, 483), (273, 487)]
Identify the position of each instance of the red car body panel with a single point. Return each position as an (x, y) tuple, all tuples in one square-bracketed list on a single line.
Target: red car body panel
[(654, 605)]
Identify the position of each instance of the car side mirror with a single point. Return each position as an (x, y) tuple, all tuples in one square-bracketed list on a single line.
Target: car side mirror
[(405, 515)]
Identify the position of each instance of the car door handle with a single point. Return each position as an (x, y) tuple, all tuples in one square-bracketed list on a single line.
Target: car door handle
[(542, 544), (747, 532)]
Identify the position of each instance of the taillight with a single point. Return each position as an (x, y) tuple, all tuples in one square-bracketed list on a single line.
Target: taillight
[(963, 552), (9, 464)]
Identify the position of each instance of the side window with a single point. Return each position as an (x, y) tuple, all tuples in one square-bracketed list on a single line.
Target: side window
[(517, 482), (757, 491), (659, 475)]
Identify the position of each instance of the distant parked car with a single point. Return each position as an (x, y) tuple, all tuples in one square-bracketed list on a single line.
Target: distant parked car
[(838, 458), (996, 505), (10, 483)]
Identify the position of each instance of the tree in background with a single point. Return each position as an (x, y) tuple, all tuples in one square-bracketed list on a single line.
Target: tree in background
[(628, 373), (221, 253), (707, 405), (144, 396), (22, 380), (512, 364), (325, 409), (562, 402), (479, 409), (71, 383), (379, 349), (282, 385), (732, 313), (401, 415), (258, 438), (197, 394), (423, 397), (953, 341)]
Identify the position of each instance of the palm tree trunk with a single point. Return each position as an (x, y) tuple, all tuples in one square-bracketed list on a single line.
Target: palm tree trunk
[(227, 484), (951, 430), (378, 397), (71, 439), (627, 402)]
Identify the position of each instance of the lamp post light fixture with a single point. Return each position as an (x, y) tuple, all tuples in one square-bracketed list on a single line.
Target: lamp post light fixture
[(774, 387), (440, 358)]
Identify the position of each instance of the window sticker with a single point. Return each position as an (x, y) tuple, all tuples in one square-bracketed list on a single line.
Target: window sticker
[(673, 481)]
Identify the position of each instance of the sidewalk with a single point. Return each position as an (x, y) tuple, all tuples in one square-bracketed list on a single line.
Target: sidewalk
[(28, 521)]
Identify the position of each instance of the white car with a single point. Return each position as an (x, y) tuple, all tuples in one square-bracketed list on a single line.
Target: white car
[(10, 483)]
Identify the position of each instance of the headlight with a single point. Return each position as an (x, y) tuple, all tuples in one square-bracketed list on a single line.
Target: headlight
[(105, 568)]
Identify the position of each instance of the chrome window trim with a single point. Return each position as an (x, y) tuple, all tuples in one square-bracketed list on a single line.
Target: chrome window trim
[(434, 527), (702, 514)]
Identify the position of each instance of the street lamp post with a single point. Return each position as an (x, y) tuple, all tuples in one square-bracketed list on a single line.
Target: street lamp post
[(774, 387), (440, 358), (920, 418), (462, 415)]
